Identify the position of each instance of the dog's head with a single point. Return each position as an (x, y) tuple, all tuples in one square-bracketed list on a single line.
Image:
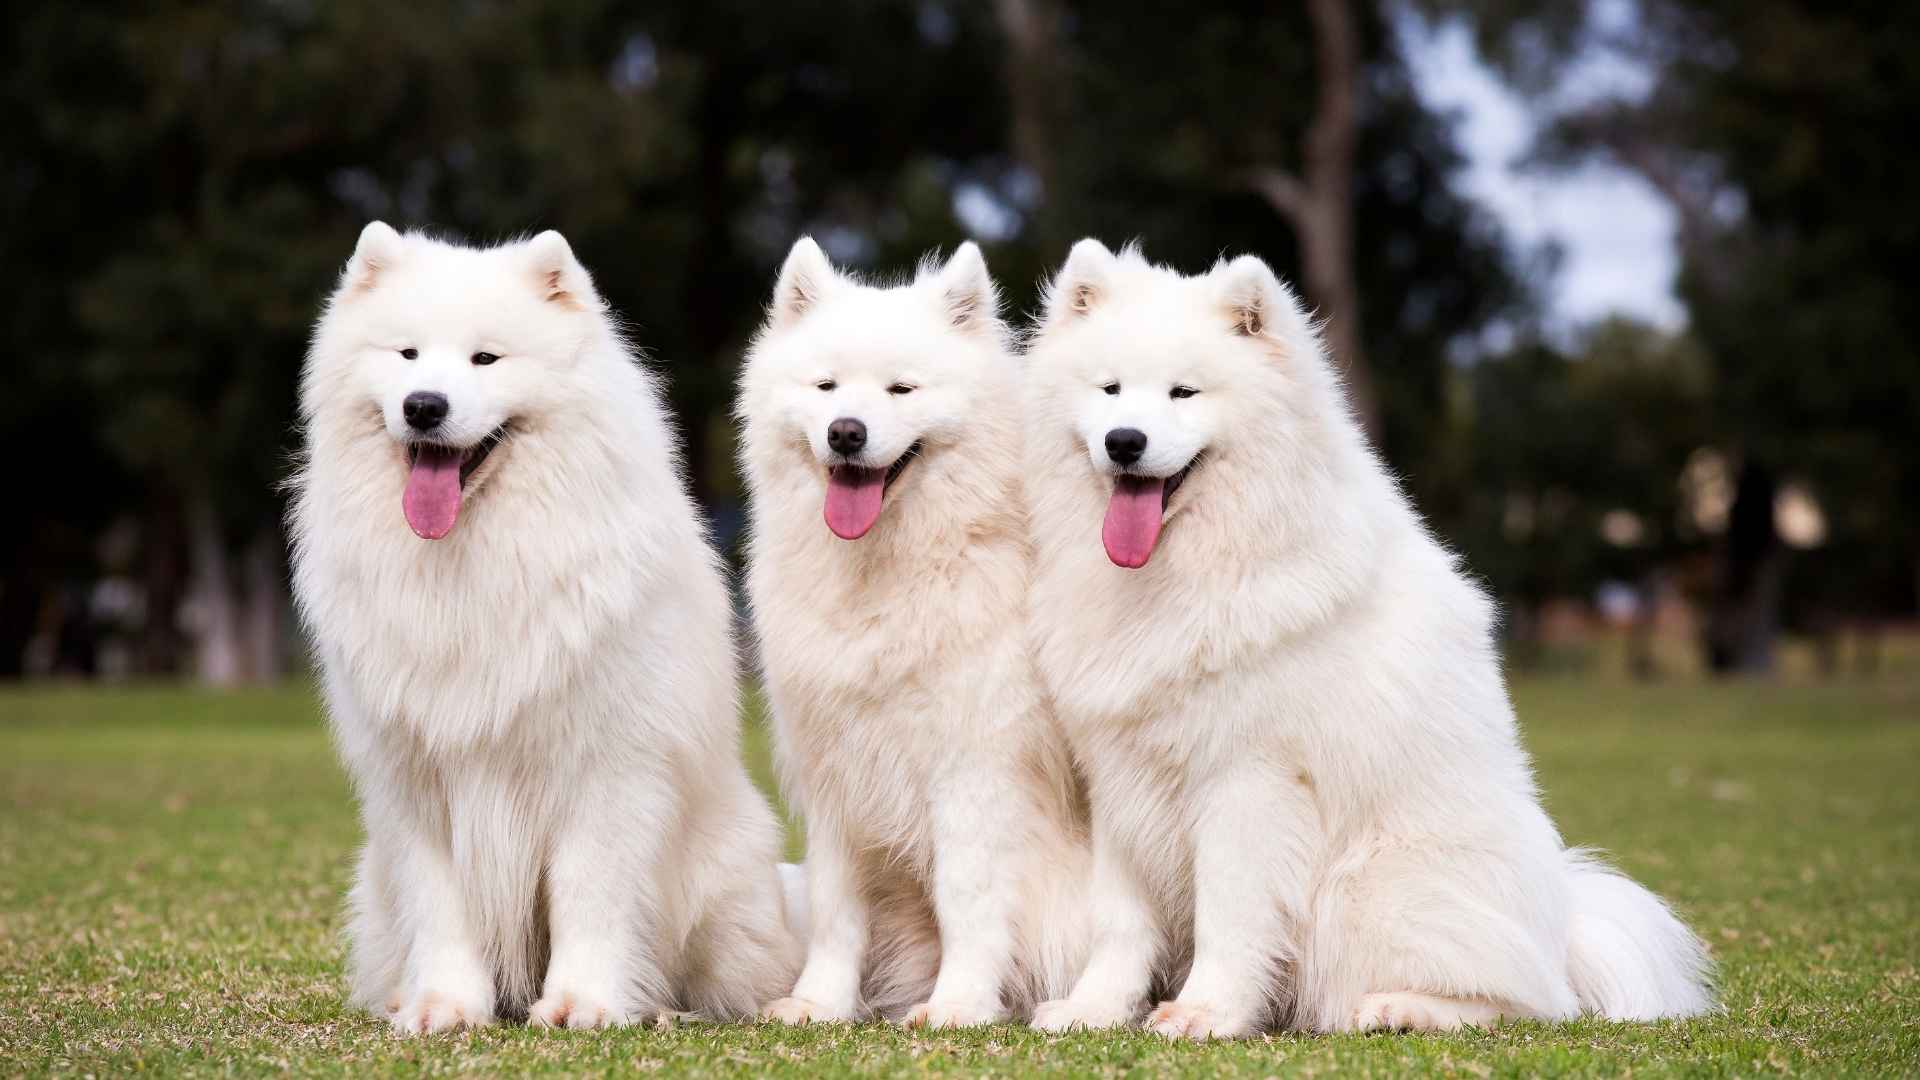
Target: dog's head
[(452, 349), (870, 385), (1154, 374)]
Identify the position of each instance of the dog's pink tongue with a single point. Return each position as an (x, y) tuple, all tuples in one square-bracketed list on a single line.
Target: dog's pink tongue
[(432, 501), (1133, 520), (853, 499)]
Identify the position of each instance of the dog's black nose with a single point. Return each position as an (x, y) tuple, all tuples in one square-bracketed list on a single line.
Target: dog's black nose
[(847, 436), (1125, 445), (424, 409)]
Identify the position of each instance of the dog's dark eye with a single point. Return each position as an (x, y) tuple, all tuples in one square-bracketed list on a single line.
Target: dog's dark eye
[(482, 359), (409, 354), (1180, 393), (826, 384), (1111, 389), (899, 388)]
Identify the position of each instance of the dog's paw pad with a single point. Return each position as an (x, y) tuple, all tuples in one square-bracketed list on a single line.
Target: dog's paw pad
[(952, 1014), (1177, 1021), (575, 1012), (431, 1012), (1067, 1015), (1393, 1012), (795, 1010)]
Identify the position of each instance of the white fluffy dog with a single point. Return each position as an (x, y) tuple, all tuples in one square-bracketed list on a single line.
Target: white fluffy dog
[(1310, 800), (944, 827), (533, 685)]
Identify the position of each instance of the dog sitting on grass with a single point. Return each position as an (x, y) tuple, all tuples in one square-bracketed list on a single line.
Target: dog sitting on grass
[(524, 640), (1311, 806)]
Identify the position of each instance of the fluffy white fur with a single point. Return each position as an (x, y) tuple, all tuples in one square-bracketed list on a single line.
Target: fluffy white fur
[(947, 856), (1311, 806), (538, 710)]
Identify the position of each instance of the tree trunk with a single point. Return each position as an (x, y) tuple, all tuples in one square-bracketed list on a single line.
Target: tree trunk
[(1327, 259), (1642, 665), (162, 649), (1319, 201), (1826, 648), (20, 600), (1745, 613), (214, 603), (1866, 648), (712, 283), (1525, 648), (238, 603), (1032, 29), (263, 621)]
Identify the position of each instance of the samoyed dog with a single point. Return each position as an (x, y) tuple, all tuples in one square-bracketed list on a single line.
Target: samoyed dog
[(947, 854), (525, 645), (1311, 806)]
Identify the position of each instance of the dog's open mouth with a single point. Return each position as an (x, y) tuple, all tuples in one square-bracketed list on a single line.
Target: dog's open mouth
[(1135, 514), (855, 494), (437, 477)]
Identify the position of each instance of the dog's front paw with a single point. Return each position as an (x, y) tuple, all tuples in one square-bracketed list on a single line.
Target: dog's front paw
[(1176, 1020), (577, 1010), (1067, 1014), (953, 1014), (795, 1010), (431, 1012)]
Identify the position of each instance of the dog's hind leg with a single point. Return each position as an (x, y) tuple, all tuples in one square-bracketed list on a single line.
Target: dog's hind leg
[(1408, 1011), (1430, 938), (377, 948), (742, 954), (749, 918)]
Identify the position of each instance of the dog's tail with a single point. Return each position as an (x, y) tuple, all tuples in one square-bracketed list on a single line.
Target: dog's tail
[(1629, 956)]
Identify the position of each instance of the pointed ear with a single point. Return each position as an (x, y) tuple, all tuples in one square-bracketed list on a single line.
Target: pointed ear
[(377, 250), (1082, 282), (557, 274), (805, 277), (966, 289), (1254, 300)]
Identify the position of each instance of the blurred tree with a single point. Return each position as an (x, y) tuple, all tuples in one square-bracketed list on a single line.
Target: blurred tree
[(1033, 30), (1778, 131), (52, 231), (1175, 112), (184, 182), (1577, 461), (1318, 198)]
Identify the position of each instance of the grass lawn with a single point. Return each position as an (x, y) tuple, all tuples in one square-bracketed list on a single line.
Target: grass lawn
[(172, 863)]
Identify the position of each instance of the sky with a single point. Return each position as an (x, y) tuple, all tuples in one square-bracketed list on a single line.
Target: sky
[(1617, 235)]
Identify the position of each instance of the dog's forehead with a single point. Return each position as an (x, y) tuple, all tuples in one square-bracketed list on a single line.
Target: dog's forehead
[(454, 292), (877, 333), (898, 309), (1147, 339), (453, 276)]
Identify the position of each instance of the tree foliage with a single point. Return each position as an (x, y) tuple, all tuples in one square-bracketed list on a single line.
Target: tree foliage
[(1777, 129), (183, 182)]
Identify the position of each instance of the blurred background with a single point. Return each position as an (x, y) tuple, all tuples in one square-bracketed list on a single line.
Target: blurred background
[(1622, 286)]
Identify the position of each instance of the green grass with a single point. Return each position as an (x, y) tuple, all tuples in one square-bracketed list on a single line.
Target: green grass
[(172, 862)]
